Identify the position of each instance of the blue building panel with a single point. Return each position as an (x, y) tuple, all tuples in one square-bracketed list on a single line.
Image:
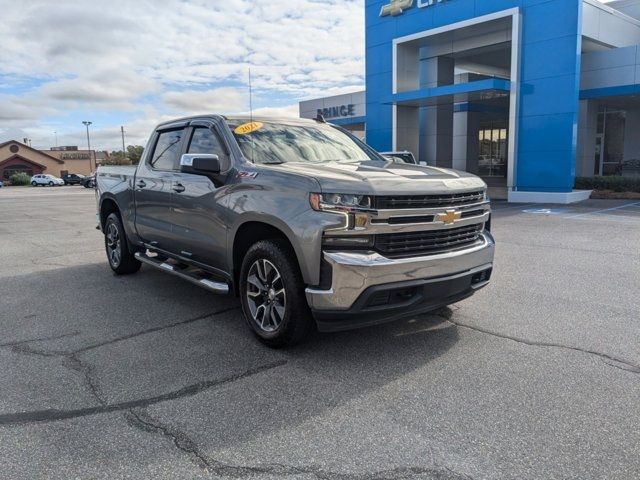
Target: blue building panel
[(548, 86)]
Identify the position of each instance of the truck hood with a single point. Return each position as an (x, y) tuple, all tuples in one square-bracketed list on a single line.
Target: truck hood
[(384, 178)]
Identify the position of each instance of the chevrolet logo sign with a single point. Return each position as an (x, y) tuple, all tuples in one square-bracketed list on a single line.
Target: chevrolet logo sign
[(449, 217), (396, 7)]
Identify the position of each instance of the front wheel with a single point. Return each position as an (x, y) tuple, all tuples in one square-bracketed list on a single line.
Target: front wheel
[(121, 259), (272, 294)]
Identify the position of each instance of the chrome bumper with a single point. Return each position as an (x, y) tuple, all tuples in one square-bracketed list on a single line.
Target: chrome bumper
[(354, 272)]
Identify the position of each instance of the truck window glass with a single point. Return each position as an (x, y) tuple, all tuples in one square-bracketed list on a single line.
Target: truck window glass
[(204, 140), (282, 143), (165, 155)]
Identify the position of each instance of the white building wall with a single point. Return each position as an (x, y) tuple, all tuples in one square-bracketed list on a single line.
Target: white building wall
[(309, 108), (607, 26)]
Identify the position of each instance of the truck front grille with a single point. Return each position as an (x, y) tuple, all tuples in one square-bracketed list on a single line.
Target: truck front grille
[(428, 201), (427, 242)]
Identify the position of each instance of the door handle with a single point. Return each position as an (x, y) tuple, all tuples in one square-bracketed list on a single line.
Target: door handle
[(178, 188), (141, 184)]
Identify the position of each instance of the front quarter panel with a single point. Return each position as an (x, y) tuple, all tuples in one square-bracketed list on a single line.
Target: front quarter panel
[(280, 199)]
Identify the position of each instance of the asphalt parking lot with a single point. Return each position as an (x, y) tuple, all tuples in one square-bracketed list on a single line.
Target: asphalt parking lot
[(146, 376)]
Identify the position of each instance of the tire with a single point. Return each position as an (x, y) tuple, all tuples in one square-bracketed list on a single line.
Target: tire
[(34, 184), (51, 184), (121, 260), (271, 289)]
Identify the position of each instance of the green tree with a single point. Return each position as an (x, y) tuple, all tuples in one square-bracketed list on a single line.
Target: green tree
[(117, 158), (134, 152)]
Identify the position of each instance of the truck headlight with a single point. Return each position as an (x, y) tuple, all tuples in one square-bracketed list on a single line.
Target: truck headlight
[(345, 202)]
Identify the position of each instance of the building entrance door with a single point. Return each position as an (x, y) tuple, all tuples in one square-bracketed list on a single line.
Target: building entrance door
[(599, 154), (492, 160)]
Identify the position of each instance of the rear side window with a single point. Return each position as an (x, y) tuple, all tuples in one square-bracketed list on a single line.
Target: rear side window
[(165, 155), (204, 140)]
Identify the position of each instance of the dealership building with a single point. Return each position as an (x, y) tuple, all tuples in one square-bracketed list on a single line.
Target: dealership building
[(527, 94), (18, 157)]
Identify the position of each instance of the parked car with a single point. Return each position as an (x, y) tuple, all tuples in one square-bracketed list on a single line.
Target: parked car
[(1, 184), (309, 226), (405, 156), (89, 181), (46, 179), (72, 178)]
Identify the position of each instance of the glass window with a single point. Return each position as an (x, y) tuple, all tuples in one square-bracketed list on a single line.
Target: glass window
[(204, 140), (273, 143), (165, 155)]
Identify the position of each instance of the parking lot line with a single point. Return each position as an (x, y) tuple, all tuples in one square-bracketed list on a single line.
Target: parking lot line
[(619, 207)]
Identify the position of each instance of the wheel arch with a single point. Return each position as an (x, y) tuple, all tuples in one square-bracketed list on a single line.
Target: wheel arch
[(108, 205), (252, 230)]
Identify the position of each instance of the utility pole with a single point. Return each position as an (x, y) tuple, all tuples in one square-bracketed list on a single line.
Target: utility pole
[(86, 123), (56, 135), (124, 152)]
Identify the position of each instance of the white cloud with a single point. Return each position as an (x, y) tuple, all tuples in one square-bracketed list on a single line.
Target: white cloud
[(122, 58), (206, 101), (286, 111)]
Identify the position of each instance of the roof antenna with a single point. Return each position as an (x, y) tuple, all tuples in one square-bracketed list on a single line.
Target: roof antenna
[(320, 118), (250, 98)]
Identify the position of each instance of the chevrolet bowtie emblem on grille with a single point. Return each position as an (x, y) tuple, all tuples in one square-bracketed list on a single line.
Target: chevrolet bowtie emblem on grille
[(396, 7), (449, 216)]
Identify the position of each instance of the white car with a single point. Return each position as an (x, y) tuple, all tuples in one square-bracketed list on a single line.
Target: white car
[(45, 179)]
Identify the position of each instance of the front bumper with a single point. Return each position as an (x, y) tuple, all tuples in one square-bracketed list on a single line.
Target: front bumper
[(368, 288)]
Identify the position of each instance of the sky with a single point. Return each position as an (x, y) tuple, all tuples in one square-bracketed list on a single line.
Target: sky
[(136, 63)]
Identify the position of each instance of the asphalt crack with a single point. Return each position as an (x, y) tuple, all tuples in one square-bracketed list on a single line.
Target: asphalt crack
[(607, 359), (87, 372), (142, 420), (52, 415), (39, 339), (155, 329), (139, 418)]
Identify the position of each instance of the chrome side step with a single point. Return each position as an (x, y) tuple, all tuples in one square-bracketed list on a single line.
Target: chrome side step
[(191, 274)]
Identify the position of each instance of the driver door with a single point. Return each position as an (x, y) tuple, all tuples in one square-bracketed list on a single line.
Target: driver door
[(199, 226)]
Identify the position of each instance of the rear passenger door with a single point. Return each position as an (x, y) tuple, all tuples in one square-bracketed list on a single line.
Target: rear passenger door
[(153, 188), (199, 226)]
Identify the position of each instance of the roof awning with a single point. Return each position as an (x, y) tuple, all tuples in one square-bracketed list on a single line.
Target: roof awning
[(477, 91)]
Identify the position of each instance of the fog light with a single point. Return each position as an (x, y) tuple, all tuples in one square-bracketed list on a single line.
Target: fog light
[(348, 241), (480, 277)]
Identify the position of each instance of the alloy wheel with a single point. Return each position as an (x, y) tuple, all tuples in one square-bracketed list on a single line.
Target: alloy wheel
[(114, 250), (266, 296)]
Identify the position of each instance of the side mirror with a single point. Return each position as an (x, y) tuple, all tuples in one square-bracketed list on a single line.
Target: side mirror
[(199, 163), (423, 163)]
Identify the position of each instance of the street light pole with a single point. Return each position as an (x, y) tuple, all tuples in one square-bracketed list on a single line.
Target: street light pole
[(124, 152), (86, 124)]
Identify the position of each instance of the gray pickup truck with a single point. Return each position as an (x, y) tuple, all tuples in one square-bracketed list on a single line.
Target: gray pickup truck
[(309, 226)]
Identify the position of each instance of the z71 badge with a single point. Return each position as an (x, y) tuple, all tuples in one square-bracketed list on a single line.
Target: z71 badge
[(247, 174)]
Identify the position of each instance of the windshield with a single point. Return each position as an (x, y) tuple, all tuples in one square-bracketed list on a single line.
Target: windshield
[(271, 143)]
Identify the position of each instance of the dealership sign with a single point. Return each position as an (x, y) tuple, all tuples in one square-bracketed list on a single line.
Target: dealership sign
[(75, 156), (397, 7), (338, 111)]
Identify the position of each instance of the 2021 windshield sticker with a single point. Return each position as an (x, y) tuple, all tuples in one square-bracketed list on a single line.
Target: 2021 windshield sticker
[(248, 128)]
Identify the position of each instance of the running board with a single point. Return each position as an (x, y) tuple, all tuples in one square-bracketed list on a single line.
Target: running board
[(191, 274)]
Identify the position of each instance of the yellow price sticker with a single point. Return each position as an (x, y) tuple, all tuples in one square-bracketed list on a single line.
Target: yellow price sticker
[(248, 128)]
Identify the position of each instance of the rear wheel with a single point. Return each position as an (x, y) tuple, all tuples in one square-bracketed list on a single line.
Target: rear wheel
[(34, 184), (272, 294), (121, 259)]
